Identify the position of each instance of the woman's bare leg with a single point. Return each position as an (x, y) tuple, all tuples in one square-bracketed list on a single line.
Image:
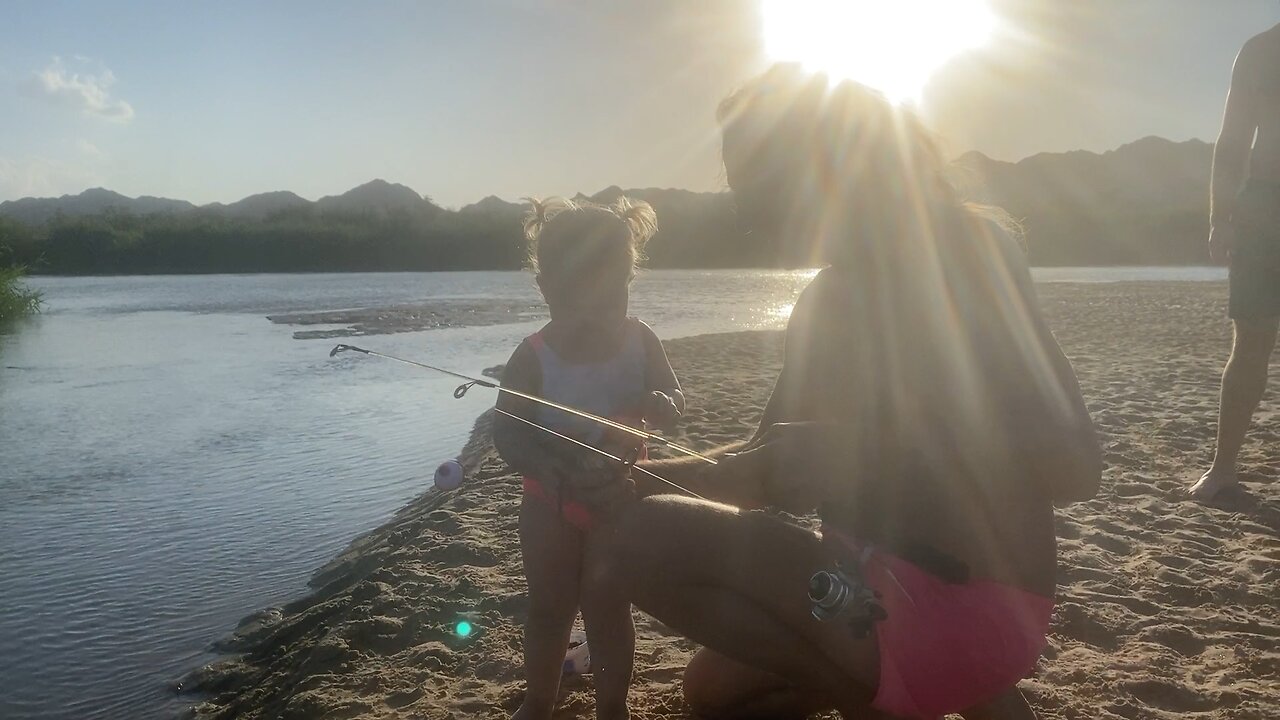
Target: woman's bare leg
[(717, 687), (737, 582), (552, 554)]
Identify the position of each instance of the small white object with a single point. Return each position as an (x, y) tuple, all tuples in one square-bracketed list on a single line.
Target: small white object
[(449, 475), (577, 661)]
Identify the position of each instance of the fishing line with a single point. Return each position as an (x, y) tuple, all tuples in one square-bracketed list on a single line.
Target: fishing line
[(461, 391)]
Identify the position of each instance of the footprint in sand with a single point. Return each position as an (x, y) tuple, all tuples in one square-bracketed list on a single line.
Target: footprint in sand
[(1110, 543), (1175, 698)]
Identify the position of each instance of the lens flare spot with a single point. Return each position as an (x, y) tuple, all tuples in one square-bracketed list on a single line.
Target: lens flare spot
[(463, 629)]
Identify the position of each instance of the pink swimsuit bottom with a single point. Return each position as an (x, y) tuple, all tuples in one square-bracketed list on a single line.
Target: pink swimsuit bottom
[(572, 512), (948, 647)]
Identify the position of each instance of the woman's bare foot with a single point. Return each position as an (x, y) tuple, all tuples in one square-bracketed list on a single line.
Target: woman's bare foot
[(534, 711), (1212, 483)]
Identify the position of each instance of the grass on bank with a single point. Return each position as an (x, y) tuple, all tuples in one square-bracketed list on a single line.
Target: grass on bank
[(16, 299)]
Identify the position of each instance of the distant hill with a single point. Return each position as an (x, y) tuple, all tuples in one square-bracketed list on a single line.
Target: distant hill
[(494, 205), (380, 197), (260, 206), (1143, 203), (695, 229), (95, 201), (375, 197)]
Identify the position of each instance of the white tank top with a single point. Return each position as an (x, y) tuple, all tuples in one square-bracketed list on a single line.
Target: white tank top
[(612, 388)]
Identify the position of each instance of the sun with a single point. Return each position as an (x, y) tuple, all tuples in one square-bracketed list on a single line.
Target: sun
[(893, 46)]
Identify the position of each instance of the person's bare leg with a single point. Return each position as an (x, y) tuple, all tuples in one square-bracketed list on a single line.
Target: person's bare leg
[(1243, 383), (737, 583), (552, 554), (1011, 705), (717, 687), (610, 632)]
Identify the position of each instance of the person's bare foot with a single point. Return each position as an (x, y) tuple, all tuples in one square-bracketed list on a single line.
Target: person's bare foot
[(613, 711), (533, 711), (1212, 483)]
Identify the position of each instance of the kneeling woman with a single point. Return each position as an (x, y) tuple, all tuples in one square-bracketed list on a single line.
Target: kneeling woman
[(924, 410)]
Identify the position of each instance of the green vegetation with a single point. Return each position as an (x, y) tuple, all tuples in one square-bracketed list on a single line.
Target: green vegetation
[(698, 230), (16, 300)]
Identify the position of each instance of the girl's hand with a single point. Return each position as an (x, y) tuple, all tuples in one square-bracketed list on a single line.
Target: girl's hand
[(661, 411), (605, 486), (793, 463)]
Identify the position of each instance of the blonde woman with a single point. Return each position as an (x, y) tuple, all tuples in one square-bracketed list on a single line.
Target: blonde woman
[(924, 411)]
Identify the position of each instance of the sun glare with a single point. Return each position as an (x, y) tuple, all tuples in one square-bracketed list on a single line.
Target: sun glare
[(893, 46)]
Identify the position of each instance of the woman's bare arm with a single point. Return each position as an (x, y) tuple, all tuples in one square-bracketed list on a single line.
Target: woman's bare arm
[(736, 483), (1057, 442)]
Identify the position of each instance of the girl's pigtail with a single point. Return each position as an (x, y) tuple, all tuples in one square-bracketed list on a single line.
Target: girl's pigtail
[(535, 218), (640, 219)]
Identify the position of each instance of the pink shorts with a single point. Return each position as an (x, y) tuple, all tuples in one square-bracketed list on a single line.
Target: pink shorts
[(574, 513), (948, 647), (571, 511)]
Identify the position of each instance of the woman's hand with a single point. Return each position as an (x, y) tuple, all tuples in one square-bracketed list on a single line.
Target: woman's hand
[(661, 411), (794, 463)]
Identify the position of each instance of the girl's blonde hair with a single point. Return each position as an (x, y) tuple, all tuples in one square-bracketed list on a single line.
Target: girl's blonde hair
[(566, 236)]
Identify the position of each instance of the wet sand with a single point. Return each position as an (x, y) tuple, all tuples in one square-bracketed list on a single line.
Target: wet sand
[(1166, 609), (360, 322)]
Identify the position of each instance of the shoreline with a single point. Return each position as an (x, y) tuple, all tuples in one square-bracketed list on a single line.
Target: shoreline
[(467, 537), (1164, 606)]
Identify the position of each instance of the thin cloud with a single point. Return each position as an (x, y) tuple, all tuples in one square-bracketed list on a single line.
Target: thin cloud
[(89, 92), (88, 148)]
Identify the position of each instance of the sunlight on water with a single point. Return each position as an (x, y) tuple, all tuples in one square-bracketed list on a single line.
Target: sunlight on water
[(783, 311)]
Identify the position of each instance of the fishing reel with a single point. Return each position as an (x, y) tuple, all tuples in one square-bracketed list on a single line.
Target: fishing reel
[(842, 594)]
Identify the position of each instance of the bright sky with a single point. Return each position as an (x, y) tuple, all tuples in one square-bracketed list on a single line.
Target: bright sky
[(459, 100)]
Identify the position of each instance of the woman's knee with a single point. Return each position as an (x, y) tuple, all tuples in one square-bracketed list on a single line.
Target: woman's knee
[(644, 532), (719, 688), (704, 685), (634, 550)]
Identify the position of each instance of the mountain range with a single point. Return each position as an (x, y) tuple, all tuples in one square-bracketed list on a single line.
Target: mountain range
[(378, 196), (1142, 203)]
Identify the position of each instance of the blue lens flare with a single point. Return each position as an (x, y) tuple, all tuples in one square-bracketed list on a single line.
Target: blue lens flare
[(463, 628)]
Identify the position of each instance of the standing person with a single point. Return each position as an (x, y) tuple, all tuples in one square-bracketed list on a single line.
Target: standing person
[(1244, 228), (923, 409), (592, 357)]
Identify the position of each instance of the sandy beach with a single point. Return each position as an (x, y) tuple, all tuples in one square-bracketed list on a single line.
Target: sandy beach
[(1166, 608)]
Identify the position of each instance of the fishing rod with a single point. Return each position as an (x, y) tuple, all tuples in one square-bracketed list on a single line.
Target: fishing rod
[(462, 389), (597, 450)]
